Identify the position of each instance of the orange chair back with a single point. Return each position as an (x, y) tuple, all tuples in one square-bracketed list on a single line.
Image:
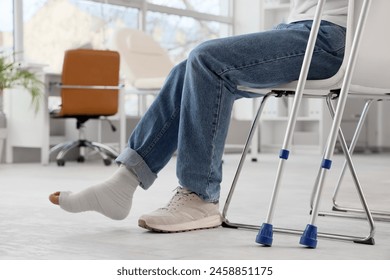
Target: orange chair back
[(84, 67)]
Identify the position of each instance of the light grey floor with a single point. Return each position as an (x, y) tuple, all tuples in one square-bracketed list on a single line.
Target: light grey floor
[(32, 228)]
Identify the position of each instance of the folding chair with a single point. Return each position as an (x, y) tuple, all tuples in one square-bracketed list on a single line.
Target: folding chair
[(339, 85)]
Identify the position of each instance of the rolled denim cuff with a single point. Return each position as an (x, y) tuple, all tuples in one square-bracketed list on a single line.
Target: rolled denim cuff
[(134, 162)]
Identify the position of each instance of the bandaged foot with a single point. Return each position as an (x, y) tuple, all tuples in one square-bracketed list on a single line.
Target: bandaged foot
[(111, 198)]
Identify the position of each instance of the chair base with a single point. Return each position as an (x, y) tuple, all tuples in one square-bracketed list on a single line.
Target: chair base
[(106, 153)]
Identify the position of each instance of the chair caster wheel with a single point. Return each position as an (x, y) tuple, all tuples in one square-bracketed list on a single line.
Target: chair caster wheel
[(80, 159), (61, 162), (107, 162)]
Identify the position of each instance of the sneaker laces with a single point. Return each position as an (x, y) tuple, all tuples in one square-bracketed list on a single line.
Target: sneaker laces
[(181, 196)]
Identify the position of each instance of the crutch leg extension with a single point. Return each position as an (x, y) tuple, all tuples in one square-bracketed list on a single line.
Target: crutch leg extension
[(309, 236), (265, 234)]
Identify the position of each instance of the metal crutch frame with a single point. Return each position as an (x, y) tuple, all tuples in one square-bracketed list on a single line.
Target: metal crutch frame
[(309, 236), (265, 235)]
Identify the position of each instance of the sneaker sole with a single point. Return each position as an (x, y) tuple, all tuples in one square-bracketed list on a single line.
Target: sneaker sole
[(206, 223)]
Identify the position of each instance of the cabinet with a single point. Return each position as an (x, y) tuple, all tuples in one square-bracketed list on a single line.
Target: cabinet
[(26, 128)]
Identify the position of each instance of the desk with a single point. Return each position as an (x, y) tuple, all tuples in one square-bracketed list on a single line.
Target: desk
[(30, 129)]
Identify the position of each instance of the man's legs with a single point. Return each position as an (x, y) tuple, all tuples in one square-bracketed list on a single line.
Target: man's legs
[(216, 68), (213, 72), (192, 112)]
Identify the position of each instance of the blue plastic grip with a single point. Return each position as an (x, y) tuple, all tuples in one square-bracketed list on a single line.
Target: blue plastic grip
[(265, 234), (326, 163), (284, 154), (309, 236)]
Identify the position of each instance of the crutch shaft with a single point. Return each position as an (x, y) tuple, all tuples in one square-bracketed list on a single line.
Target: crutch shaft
[(265, 233)]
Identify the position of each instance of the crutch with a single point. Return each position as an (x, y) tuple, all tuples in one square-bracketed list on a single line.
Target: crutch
[(309, 236), (265, 235)]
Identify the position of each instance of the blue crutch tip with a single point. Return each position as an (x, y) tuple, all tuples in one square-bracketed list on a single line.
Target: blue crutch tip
[(309, 237), (264, 236)]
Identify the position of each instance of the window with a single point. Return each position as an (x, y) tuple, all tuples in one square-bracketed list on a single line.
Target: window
[(6, 26), (215, 7), (180, 34), (52, 26)]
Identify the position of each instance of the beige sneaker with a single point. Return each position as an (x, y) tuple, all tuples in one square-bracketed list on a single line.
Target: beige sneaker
[(186, 211)]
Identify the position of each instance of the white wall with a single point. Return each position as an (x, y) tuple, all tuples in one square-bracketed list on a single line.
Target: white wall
[(247, 19), (247, 16)]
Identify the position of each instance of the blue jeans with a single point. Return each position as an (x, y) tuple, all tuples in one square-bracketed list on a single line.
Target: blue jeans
[(191, 114)]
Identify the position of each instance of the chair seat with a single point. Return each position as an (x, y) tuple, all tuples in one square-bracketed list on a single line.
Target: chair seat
[(149, 83)]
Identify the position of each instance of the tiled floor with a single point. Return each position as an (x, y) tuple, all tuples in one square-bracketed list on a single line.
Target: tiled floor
[(32, 228)]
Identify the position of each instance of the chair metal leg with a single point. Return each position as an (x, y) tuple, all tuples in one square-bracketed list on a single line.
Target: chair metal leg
[(248, 142), (67, 148), (106, 149), (100, 149), (59, 147), (107, 153), (359, 212), (369, 239), (352, 146)]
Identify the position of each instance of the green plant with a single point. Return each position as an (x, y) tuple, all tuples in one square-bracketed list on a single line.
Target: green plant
[(12, 75)]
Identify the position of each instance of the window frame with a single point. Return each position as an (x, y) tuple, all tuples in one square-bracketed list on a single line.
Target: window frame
[(143, 6)]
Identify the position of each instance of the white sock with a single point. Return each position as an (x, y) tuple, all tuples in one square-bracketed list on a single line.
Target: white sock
[(111, 198)]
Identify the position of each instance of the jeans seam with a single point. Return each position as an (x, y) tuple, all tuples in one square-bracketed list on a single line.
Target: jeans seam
[(161, 133), (215, 129), (266, 61)]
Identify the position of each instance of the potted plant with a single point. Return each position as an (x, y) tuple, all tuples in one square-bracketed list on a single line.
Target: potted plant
[(11, 75)]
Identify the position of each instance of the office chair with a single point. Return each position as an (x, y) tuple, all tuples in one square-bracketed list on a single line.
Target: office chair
[(364, 83), (144, 63), (89, 90)]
